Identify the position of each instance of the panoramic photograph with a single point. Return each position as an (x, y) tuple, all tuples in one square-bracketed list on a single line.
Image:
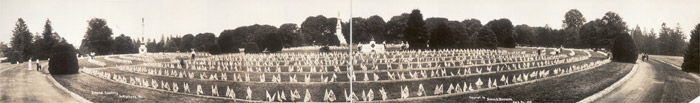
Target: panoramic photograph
[(394, 51)]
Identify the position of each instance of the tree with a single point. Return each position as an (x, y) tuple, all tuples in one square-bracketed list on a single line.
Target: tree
[(376, 28), (360, 30), (624, 49), (172, 45), (433, 22), (21, 42), (4, 49), (590, 34), (612, 26), (395, 28), (416, 34), (63, 59), (251, 47), (691, 60), (638, 37), (98, 37), (442, 38), (472, 29), (671, 42), (123, 45), (544, 36), (650, 43), (48, 40), (459, 31), (214, 49), (290, 36), (486, 39), (226, 42), (203, 41), (503, 29), (273, 42), (186, 43), (317, 30), (524, 34), (600, 33), (509, 42), (573, 21)]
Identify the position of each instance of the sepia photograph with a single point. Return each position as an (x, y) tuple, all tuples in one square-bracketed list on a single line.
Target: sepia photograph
[(388, 51)]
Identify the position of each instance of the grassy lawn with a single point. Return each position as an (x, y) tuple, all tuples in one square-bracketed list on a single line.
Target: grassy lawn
[(578, 85), (674, 60), (570, 88)]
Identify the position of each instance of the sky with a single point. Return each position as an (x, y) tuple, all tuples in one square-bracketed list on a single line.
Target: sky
[(179, 17)]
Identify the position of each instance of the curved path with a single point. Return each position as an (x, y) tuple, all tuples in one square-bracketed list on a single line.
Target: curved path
[(19, 85), (655, 82)]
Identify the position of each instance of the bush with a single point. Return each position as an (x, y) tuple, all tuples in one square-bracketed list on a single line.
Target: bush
[(63, 60), (486, 39), (691, 60), (251, 48), (325, 49), (624, 49), (509, 42)]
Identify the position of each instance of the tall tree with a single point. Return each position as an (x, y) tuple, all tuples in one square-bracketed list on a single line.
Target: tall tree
[(123, 45), (433, 22), (21, 42), (290, 35), (638, 37), (486, 39), (459, 31), (375, 28), (671, 42), (472, 28), (203, 41), (173, 44), (47, 41), (186, 43), (315, 30), (503, 29), (573, 21), (442, 38), (395, 28), (524, 34), (98, 37), (226, 42), (416, 34), (691, 60)]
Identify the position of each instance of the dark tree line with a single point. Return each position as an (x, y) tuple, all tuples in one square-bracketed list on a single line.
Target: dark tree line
[(47, 45)]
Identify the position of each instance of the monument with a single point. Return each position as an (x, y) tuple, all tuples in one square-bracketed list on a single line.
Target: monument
[(142, 48), (372, 47), (339, 31)]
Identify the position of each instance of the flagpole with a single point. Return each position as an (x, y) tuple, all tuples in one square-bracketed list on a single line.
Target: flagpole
[(350, 49)]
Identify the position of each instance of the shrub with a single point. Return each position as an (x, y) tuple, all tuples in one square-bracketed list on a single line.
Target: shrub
[(63, 60), (691, 61), (251, 48), (325, 49), (624, 49), (486, 39), (509, 42)]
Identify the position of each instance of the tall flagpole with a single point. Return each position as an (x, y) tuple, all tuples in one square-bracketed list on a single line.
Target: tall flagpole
[(350, 48)]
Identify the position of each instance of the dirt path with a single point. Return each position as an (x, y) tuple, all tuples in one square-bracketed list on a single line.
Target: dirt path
[(18, 85), (654, 82)]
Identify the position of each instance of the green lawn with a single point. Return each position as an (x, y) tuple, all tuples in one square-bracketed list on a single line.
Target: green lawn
[(569, 88)]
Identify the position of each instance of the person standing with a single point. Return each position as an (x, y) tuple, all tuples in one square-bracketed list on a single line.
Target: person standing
[(38, 66)]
